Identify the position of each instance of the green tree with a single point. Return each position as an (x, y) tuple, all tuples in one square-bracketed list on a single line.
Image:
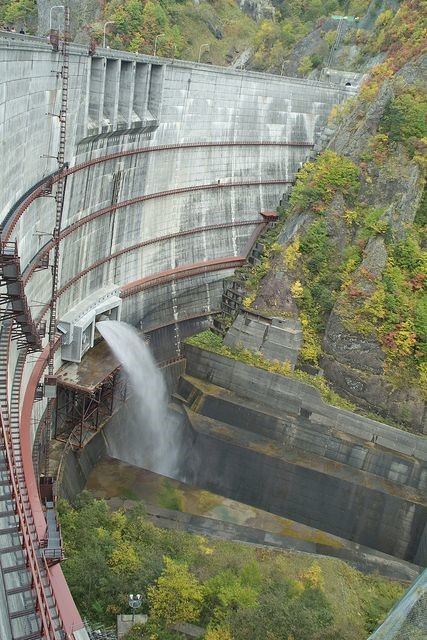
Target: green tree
[(227, 592), (405, 116), (305, 65), (18, 10), (285, 611)]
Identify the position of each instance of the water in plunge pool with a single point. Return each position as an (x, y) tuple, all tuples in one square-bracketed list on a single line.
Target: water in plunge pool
[(156, 430)]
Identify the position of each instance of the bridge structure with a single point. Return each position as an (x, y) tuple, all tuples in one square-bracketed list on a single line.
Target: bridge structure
[(131, 198)]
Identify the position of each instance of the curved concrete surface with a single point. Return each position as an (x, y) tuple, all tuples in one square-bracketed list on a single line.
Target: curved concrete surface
[(169, 165)]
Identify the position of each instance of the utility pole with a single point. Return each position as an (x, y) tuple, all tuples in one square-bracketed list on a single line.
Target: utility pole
[(159, 35), (105, 33)]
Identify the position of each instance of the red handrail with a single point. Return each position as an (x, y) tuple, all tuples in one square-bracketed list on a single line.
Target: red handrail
[(41, 188), (170, 236), (48, 627)]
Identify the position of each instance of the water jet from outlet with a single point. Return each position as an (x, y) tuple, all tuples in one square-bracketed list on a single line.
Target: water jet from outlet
[(157, 442)]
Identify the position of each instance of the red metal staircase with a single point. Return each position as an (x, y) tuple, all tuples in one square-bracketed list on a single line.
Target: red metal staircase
[(13, 301)]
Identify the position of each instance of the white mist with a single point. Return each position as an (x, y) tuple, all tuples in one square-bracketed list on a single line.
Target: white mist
[(157, 442)]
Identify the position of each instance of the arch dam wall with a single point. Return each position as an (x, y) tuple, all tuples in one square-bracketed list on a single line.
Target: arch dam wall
[(169, 165)]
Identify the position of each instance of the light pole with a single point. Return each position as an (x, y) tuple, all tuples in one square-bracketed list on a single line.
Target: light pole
[(135, 601), (105, 27), (55, 6), (159, 35), (207, 45)]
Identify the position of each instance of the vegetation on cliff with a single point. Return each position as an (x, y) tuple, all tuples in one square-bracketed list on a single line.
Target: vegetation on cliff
[(356, 268), (275, 39), (181, 27), (267, 30), (392, 307), (13, 12), (235, 592)]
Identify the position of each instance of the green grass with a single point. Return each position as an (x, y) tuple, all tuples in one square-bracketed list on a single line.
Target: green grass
[(128, 494), (170, 497)]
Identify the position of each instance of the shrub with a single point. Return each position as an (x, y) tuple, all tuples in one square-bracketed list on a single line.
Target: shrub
[(306, 65), (177, 595), (405, 117), (292, 254), (319, 181), (373, 224), (297, 289)]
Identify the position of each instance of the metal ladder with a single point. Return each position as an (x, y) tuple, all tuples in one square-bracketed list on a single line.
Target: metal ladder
[(59, 200)]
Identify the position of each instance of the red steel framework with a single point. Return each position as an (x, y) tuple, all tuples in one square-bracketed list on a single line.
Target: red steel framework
[(192, 316), (70, 615), (159, 194), (180, 273), (38, 258), (164, 277), (32, 539), (59, 202), (80, 412), (13, 301), (39, 574), (31, 524)]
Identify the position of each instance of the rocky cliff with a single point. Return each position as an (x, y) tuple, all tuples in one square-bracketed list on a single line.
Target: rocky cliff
[(350, 259), (374, 351)]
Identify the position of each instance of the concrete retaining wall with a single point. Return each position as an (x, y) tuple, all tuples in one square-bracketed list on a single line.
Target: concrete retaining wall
[(289, 395), (276, 338), (316, 499), (349, 475), (121, 441)]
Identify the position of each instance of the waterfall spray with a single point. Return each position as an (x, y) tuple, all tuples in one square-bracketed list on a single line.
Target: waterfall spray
[(158, 439)]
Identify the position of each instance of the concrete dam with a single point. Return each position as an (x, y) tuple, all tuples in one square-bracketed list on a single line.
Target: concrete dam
[(131, 187)]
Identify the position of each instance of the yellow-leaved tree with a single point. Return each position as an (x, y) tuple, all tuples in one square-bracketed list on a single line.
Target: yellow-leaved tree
[(177, 595), (218, 633)]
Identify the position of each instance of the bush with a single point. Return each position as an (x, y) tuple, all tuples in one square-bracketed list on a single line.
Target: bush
[(318, 182), (405, 117), (177, 595), (225, 583)]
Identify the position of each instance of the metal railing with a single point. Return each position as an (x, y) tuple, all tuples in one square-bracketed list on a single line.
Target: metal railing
[(45, 185), (35, 560)]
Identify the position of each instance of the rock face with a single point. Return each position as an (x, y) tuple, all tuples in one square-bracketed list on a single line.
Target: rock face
[(390, 189), (310, 44), (371, 390), (83, 13), (257, 9), (353, 361), (275, 293), (354, 350)]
